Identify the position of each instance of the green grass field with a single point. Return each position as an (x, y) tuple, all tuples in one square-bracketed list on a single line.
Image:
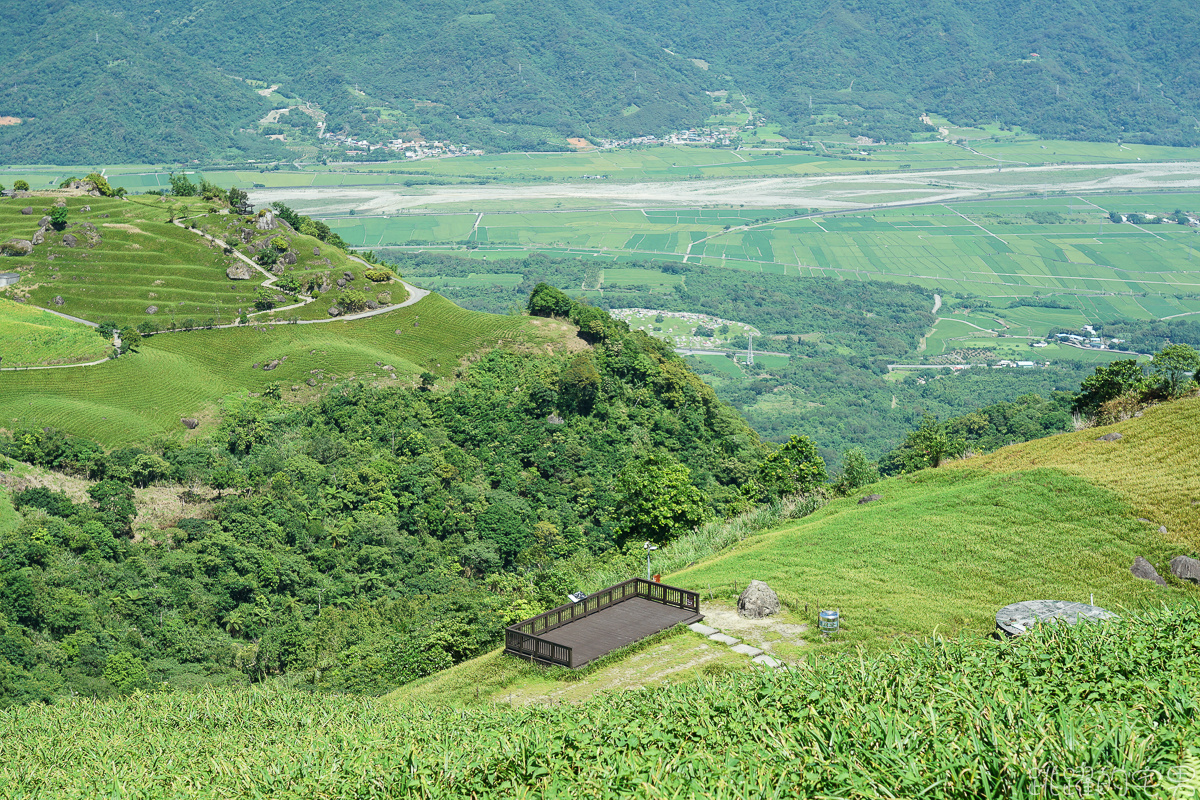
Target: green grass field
[(32, 337), (178, 375)]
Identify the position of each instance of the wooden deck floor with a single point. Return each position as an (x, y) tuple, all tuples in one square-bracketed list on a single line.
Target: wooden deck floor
[(621, 624)]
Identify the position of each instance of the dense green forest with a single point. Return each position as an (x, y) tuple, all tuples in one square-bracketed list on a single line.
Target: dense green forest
[(841, 336), (136, 80), (421, 520)]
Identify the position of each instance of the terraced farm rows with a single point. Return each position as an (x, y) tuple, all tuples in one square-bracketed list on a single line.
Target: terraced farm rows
[(30, 336)]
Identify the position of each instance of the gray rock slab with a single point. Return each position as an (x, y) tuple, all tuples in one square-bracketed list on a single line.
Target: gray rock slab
[(1186, 568), (767, 661), (702, 629), (1017, 618), (746, 650), (1145, 570), (723, 639)]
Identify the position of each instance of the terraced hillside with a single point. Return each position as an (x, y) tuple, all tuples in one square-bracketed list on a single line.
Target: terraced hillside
[(176, 375), (125, 261)]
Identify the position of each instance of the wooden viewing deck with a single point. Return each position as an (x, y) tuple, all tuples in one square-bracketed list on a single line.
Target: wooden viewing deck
[(577, 633)]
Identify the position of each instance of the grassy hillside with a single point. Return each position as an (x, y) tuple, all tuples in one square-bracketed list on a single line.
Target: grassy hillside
[(30, 336), (131, 265), (175, 375)]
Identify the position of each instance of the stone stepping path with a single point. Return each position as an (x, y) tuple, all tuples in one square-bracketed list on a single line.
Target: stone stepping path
[(755, 654)]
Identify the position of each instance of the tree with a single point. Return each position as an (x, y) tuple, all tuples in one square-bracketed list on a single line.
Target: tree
[(114, 501), (267, 257), (927, 446), (239, 201), (857, 471), (1113, 216), (126, 672), (428, 379), (546, 301), (353, 301), (101, 184), (1107, 382), (20, 186), (58, 217), (658, 500), (181, 186), (795, 468), (1174, 369)]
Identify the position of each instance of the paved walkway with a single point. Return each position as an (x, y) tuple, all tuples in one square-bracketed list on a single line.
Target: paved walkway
[(755, 654)]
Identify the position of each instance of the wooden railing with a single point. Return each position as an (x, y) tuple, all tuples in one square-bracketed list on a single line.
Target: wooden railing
[(523, 638)]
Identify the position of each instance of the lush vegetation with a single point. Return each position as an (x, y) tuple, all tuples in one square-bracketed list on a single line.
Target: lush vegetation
[(379, 526), (1097, 709)]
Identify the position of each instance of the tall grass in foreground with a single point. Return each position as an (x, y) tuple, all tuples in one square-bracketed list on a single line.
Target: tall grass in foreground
[(1098, 710)]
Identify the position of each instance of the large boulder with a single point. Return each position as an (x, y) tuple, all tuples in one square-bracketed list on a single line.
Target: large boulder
[(16, 247), (1186, 568), (758, 601), (1145, 570), (152, 309), (58, 300), (871, 498), (288, 258), (241, 271), (273, 364), (38, 238), (69, 240), (190, 423), (1109, 437), (334, 311), (27, 210), (266, 221), (44, 222)]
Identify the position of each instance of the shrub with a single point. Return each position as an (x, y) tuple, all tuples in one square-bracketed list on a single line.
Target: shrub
[(280, 244), (378, 275)]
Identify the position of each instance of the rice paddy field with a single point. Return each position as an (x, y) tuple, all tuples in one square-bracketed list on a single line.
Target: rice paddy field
[(176, 375)]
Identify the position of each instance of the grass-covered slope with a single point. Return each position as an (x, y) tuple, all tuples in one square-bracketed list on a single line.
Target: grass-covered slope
[(131, 265), (31, 336), (943, 550), (1154, 466), (1099, 710), (176, 375)]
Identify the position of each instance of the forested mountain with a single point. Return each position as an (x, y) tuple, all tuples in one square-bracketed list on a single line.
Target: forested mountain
[(91, 87), (141, 80)]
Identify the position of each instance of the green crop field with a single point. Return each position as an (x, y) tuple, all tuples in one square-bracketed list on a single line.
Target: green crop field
[(30, 336), (1058, 247), (176, 375)]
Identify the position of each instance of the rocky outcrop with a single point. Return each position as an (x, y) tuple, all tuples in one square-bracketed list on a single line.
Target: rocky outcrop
[(341, 282), (44, 222), (348, 275), (58, 300), (871, 498), (190, 424), (1145, 570), (1186, 568), (152, 309), (266, 221), (1109, 437), (39, 238), (757, 601), (240, 271), (16, 247), (270, 365)]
